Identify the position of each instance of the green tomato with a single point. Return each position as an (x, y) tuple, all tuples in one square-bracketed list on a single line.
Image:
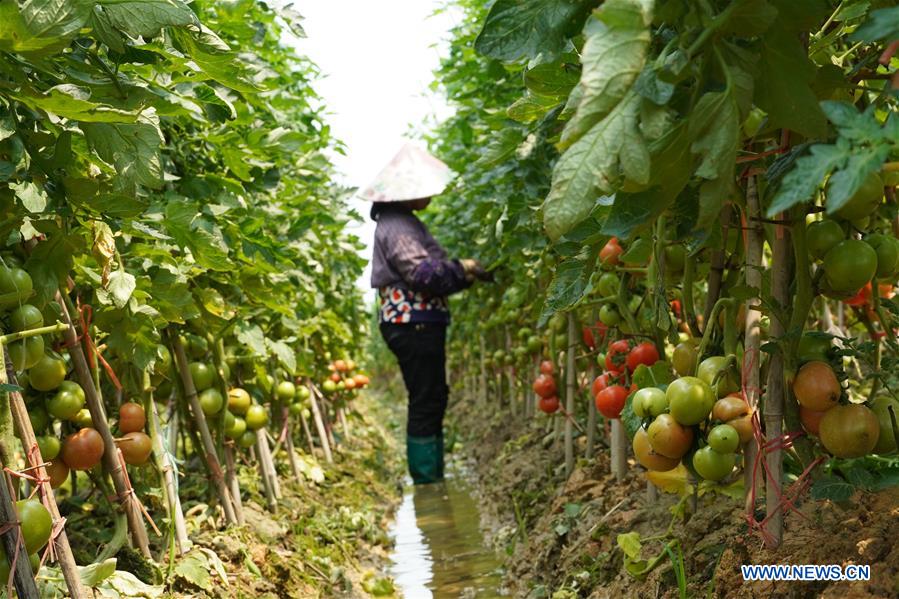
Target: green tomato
[(50, 446), (38, 416), (684, 358), (36, 523), (754, 121), (163, 360), (73, 387), (711, 465), (690, 400), (303, 392), (211, 401), (724, 439), (65, 404), (887, 250), (886, 441), (256, 417), (286, 391), (822, 235), (202, 375), (813, 347), (849, 266), (15, 286), (26, 353), (82, 418), (609, 316), (535, 344), (649, 401), (864, 201), (237, 429), (708, 370), (524, 332), (608, 284), (48, 373), (247, 440), (25, 318), (675, 258)]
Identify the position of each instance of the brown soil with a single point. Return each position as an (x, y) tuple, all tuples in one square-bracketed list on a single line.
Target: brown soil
[(561, 553)]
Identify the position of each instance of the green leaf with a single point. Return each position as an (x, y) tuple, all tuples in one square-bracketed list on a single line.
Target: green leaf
[(146, 18), (193, 568), (516, 29), (133, 149), (94, 574), (41, 26), (530, 108), (590, 167), (832, 487), (33, 198), (633, 210), (809, 171), (882, 25), (613, 56), (10, 388), (191, 230), (715, 131), (630, 545), (783, 87), (629, 420), (72, 102), (251, 336), (859, 477), (284, 353), (215, 61), (657, 375), (552, 79), (749, 18), (571, 283), (120, 286), (845, 182)]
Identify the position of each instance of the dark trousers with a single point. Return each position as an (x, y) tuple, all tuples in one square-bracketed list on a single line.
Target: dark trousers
[(421, 352)]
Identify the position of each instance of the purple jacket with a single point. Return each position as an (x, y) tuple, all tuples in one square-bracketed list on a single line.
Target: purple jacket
[(411, 271)]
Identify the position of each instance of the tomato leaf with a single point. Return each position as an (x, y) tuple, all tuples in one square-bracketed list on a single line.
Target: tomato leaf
[(32, 197), (612, 58), (516, 29), (120, 286), (715, 131), (197, 233), (146, 18), (571, 283), (882, 24), (832, 487), (132, 148), (799, 184), (590, 167), (783, 88)]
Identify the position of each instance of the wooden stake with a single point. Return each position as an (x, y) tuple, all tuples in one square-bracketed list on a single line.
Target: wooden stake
[(482, 345), (755, 239), (111, 463), (510, 377), (776, 391), (619, 450), (291, 453), (570, 393), (208, 445), (23, 576), (233, 483), (591, 404), (166, 467), (308, 434), (262, 458), (319, 423)]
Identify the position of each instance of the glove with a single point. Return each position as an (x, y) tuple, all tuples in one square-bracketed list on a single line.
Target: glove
[(474, 270)]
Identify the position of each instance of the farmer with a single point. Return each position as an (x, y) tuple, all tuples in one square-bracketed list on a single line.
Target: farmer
[(414, 276)]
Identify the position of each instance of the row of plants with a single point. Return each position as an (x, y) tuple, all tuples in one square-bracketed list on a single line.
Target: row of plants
[(690, 210), (175, 276)]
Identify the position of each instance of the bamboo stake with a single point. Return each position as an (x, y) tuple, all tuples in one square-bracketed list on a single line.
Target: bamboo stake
[(291, 453), (532, 396), (111, 463), (482, 344), (308, 434), (208, 445), (570, 393), (591, 404), (619, 450), (233, 483), (510, 376), (23, 576), (319, 424), (167, 468), (262, 459), (774, 398), (755, 239), (344, 425), (26, 433)]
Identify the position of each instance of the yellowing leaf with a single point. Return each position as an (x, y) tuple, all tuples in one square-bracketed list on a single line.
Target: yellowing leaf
[(673, 481)]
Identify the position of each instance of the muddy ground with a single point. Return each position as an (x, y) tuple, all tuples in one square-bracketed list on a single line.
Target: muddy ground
[(560, 535)]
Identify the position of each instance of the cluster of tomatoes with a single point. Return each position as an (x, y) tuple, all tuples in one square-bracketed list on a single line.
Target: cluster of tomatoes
[(545, 388), (610, 389), (342, 377), (699, 420), (846, 430)]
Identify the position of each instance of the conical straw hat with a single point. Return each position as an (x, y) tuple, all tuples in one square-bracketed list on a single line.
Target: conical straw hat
[(411, 175)]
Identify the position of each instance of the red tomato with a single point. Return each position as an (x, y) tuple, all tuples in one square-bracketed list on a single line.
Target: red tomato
[(862, 298), (600, 383), (545, 385), (546, 367), (675, 307), (611, 252), (886, 290), (645, 353), (617, 355), (610, 401), (587, 336), (548, 405)]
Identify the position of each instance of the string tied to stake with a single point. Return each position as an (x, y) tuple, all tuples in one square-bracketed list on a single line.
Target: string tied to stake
[(128, 496)]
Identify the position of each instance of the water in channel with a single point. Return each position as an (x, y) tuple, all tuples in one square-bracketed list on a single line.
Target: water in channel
[(439, 550)]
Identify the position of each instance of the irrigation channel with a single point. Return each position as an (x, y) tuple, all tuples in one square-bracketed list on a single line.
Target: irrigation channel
[(439, 550)]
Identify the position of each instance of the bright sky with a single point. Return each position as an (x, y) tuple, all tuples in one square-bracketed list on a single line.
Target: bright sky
[(377, 59)]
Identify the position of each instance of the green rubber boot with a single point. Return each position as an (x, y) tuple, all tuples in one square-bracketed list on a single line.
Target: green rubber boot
[(425, 457)]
